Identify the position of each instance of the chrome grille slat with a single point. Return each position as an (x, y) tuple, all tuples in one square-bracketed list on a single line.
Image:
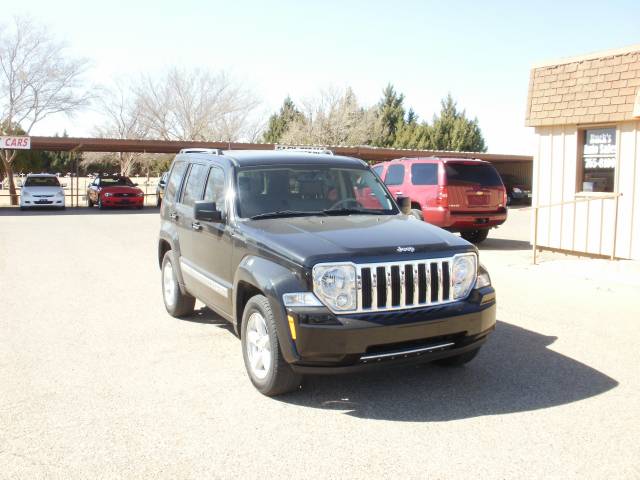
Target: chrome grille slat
[(440, 290), (416, 284), (381, 276)]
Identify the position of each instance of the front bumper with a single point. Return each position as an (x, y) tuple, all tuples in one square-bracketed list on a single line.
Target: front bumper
[(44, 203), (327, 343), (122, 201)]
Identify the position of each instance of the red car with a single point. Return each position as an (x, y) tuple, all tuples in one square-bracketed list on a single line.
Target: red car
[(114, 191), (456, 194)]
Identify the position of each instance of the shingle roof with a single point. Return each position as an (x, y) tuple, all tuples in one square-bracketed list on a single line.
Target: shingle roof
[(591, 89)]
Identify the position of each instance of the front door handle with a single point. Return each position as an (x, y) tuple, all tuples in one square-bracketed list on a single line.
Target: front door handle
[(196, 226), (173, 216)]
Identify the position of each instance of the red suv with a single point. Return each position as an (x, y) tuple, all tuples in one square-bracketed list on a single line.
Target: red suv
[(456, 194)]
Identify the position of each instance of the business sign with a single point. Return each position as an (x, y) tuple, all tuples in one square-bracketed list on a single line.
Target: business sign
[(600, 148), (15, 143)]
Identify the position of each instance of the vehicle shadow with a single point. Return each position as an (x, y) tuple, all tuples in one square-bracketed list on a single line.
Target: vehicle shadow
[(16, 212), (514, 372), (504, 244), (207, 316)]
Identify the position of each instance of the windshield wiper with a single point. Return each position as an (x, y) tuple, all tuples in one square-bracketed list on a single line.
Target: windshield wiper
[(349, 211), (285, 213)]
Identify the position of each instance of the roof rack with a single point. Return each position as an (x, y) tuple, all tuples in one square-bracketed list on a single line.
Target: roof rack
[(307, 149), (212, 151)]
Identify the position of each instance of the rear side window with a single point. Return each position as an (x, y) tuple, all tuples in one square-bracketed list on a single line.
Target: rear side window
[(175, 179), (468, 174), (378, 169), (395, 175), (424, 174), (192, 190)]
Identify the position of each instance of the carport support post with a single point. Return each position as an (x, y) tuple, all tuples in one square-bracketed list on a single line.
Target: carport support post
[(70, 179), (535, 234)]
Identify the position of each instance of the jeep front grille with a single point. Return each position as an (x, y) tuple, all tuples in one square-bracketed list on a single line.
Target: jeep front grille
[(398, 285)]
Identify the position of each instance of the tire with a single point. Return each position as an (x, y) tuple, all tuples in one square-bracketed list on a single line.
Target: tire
[(475, 236), (260, 345), (158, 201), (417, 213), (458, 360), (178, 304), (89, 203)]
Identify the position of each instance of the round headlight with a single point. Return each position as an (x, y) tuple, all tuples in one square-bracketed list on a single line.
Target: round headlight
[(335, 286), (464, 273)]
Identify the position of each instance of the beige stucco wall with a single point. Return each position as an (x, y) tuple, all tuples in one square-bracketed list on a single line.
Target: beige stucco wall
[(586, 227)]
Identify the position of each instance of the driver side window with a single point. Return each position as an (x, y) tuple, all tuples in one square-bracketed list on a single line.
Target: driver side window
[(214, 191)]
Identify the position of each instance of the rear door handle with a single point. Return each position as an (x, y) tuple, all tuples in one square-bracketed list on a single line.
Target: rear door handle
[(196, 226)]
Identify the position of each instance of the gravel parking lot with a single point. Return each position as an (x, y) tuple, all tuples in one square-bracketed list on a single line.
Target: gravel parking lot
[(97, 380)]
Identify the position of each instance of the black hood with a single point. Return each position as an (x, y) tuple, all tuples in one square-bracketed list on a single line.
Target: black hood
[(309, 240)]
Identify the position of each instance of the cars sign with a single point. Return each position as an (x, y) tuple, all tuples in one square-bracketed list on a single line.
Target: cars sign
[(15, 143)]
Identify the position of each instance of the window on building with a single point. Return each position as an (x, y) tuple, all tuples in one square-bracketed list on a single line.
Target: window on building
[(598, 163)]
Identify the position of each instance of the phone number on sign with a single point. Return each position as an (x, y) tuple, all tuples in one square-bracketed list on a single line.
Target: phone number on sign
[(599, 163)]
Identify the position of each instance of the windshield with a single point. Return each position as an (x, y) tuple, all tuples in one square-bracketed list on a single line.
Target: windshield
[(311, 190), (472, 174), (115, 182), (41, 182)]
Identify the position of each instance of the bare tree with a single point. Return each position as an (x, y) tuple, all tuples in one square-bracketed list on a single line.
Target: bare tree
[(196, 105), (123, 119), (333, 118), (37, 79)]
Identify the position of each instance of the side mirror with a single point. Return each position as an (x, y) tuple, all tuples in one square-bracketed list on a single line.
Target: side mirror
[(405, 204), (207, 212), (135, 184)]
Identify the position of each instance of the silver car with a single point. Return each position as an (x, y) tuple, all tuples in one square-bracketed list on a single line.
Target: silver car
[(41, 190)]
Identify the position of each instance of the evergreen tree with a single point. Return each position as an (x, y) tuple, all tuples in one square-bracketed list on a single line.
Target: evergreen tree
[(452, 130), (391, 117), (280, 122)]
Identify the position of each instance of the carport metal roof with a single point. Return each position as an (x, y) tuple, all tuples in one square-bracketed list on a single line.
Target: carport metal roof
[(373, 154)]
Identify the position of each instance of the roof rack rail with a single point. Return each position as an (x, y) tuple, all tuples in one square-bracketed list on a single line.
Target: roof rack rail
[(213, 151), (307, 149)]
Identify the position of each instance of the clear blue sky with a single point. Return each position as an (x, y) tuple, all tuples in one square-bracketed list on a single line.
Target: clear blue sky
[(481, 52)]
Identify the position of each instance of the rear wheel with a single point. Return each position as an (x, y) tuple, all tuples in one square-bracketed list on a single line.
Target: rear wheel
[(89, 203), (458, 360), (475, 236), (158, 201), (178, 304), (267, 369)]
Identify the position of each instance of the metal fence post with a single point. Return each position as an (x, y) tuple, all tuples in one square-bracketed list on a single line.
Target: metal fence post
[(535, 235), (615, 228)]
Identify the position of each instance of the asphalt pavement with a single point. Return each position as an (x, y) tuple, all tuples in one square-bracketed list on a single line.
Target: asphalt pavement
[(97, 380)]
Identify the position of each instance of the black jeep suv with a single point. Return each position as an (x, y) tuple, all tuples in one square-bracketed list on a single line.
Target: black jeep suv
[(311, 260)]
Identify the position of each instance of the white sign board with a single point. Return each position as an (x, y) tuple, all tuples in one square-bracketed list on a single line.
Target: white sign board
[(15, 143)]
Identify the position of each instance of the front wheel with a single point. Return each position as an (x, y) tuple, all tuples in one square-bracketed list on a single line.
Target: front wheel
[(267, 369), (178, 304), (458, 360), (475, 236)]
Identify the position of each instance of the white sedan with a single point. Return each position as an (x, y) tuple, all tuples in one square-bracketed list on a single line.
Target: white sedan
[(41, 190)]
